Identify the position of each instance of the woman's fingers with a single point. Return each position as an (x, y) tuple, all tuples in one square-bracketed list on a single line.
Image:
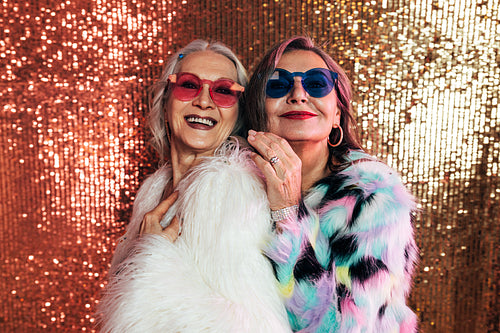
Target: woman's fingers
[(150, 224), (151, 221), (277, 152), (269, 148), (164, 205), (267, 168), (171, 232), (267, 144), (281, 167)]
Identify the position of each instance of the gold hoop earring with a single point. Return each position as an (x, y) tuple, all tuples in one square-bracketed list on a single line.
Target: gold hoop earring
[(340, 140)]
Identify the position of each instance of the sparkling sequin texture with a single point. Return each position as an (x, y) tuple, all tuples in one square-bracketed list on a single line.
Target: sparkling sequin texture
[(73, 140)]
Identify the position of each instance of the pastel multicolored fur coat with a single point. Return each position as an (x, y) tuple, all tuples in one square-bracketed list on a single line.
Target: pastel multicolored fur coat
[(214, 277), (346, 264)]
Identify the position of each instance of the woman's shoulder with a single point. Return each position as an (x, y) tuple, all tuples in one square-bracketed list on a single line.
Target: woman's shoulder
[(366, 177), (232, 156), (151, 190), (234, 150), (156, 181), (365, 169)]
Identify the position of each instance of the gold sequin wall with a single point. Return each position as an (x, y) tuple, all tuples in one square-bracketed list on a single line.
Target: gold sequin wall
[(73, 140)]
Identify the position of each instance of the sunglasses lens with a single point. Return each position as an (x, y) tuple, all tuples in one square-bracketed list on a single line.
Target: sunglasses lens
[(222, 93), (279, 84), (186, 87), (318, 82)]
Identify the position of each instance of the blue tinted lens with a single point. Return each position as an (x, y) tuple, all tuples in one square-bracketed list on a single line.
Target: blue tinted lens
[(317, 82), (279, 84)]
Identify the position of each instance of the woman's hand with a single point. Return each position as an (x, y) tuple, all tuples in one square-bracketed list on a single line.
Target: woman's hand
[(151, 221), (281, 167)]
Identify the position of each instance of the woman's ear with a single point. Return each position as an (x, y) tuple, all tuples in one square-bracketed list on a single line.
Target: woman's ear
[(336, 118)]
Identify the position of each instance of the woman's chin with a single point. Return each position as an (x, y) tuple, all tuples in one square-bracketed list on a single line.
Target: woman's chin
[(303, 137), (200, 147)]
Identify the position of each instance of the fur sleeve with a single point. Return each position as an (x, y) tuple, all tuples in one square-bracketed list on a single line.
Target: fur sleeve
[(287, 246), (214, 278)]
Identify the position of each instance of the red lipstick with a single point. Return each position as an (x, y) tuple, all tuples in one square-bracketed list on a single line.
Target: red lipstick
[(300, 115)]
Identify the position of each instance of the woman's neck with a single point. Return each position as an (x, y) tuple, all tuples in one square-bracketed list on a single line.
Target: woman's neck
[(182, 161), (314, 157)]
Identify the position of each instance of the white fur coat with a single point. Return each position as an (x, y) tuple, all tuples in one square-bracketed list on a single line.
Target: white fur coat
[(214, 277)]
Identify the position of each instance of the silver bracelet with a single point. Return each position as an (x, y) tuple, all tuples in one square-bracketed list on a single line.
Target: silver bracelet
[(284, 213)]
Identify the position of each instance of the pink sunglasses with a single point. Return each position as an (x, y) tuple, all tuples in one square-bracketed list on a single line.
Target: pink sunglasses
[(186, 86)]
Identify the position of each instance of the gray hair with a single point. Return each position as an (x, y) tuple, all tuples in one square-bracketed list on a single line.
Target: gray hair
[(159, 93)]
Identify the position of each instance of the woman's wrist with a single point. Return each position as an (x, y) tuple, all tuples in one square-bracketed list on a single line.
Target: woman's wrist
[(286, 213)]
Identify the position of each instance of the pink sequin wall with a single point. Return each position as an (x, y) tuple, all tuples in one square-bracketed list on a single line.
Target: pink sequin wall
[(73, 139)]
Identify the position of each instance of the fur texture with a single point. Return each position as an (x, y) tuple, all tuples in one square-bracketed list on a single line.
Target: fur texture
[(214, 277), (346, 264)]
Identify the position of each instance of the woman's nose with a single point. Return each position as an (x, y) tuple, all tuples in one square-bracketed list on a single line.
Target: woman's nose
[(297, 94), (204, 99)]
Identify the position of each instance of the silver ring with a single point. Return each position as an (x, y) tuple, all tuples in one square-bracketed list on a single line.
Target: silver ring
[(274, 160)]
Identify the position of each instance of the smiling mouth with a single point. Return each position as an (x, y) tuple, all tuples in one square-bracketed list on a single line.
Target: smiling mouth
[(201, 121)]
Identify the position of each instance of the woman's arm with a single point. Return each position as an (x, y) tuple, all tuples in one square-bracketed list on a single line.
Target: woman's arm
[(366, 223), (379, 270)]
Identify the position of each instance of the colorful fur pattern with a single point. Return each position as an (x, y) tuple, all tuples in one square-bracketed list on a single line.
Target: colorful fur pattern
[(214, 277), (346, 264)]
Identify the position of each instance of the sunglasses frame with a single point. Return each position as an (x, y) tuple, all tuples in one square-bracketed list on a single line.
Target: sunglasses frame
[(235, 87), (333, 75)]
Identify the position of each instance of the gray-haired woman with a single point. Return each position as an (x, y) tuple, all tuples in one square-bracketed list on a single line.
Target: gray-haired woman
[(204, 270)]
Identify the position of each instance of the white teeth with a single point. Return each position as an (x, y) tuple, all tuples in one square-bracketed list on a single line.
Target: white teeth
[(204, 121)]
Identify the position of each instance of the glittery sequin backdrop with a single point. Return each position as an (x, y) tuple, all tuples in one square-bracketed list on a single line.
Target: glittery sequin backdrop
[(73, 151)]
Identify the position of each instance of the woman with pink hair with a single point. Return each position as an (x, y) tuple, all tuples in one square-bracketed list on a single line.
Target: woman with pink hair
[(344, 250)]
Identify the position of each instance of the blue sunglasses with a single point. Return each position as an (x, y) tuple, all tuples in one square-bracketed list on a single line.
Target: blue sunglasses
[(317, 82)]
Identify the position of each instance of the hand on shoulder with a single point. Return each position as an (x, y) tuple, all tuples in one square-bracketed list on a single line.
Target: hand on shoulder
[(151, 221)]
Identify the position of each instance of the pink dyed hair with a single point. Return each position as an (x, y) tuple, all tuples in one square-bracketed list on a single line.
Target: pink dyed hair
[(255, 116)]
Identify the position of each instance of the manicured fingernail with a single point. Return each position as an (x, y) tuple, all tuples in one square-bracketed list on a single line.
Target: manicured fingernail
[(251, 132)]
